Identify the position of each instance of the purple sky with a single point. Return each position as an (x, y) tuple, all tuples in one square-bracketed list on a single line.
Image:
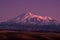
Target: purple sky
[(12, 8)]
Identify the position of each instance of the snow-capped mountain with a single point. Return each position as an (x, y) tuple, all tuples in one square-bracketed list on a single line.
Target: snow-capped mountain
[(31, 18), (39, 23)]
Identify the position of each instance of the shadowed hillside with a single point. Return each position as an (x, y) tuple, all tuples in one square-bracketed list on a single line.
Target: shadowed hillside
[(15, 35)]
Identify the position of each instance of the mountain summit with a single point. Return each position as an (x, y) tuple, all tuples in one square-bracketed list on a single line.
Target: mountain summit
[(30, 18)]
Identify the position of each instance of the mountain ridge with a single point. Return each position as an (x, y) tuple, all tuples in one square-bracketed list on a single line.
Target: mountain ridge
[(31, 18)]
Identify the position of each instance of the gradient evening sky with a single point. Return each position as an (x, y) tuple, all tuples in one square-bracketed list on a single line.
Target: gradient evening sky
[(12, 8)]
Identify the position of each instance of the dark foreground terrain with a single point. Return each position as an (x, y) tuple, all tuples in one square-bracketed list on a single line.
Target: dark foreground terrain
[(16, 35)]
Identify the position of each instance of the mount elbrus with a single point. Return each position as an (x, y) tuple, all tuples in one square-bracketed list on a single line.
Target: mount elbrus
[(30, 18), (31, 22)]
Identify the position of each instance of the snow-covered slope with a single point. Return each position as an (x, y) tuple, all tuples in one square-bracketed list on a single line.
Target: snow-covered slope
[(31, 18)]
